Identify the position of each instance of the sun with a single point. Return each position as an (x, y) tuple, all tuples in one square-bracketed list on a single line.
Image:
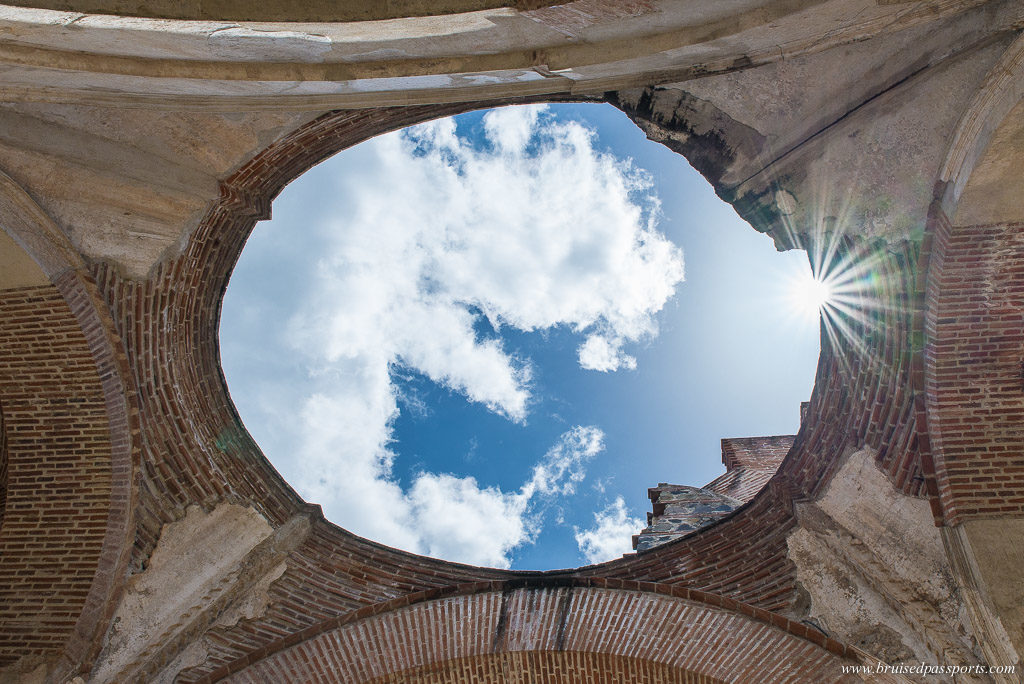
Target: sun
[(810, 294)]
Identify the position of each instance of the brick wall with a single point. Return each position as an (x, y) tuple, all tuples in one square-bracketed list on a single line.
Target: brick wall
[(976, 373), (763, 453), (749, 463), (58, 472)]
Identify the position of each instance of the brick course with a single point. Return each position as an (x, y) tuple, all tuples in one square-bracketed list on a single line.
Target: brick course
[(529, 667), (749, 463)]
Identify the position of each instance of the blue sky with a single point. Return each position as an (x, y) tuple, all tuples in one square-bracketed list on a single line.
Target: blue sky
[(477, 339)]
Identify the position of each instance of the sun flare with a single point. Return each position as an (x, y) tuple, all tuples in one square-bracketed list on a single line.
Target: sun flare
[(810, 294)]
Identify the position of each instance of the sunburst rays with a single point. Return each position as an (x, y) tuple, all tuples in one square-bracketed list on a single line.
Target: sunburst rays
[(853, 287)]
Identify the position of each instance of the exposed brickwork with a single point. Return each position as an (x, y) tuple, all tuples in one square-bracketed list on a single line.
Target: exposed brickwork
[(862, 392), (741, 484), (645, 621), (927, 280), (545, 666), (59, 474), (3, 466), (763, 453), (749, 463), (976, 373), (86, 304)]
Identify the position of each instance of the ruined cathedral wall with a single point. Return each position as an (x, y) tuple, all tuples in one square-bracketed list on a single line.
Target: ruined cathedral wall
[(139, 508)]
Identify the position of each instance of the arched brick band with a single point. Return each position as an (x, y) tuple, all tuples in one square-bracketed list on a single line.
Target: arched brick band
[(692, 631), (546, 667), (926, 294)]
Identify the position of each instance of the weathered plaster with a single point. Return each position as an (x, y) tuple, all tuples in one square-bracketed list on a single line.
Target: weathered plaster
[(863, 158), (999, 549), (16, 267), (875, 569), (128, 186), (995, 192), (988, 555), (194, 654), (193, 560), (799, 160)]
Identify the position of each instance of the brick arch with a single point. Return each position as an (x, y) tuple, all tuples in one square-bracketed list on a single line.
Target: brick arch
[(59, 512), (593, 623), (547, 667)]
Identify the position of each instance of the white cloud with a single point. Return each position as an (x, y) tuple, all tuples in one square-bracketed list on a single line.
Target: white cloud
[(563, 465), (535, 230), (601, 354), (441, 514), (511, 128), (459, 520), (612, 534)]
